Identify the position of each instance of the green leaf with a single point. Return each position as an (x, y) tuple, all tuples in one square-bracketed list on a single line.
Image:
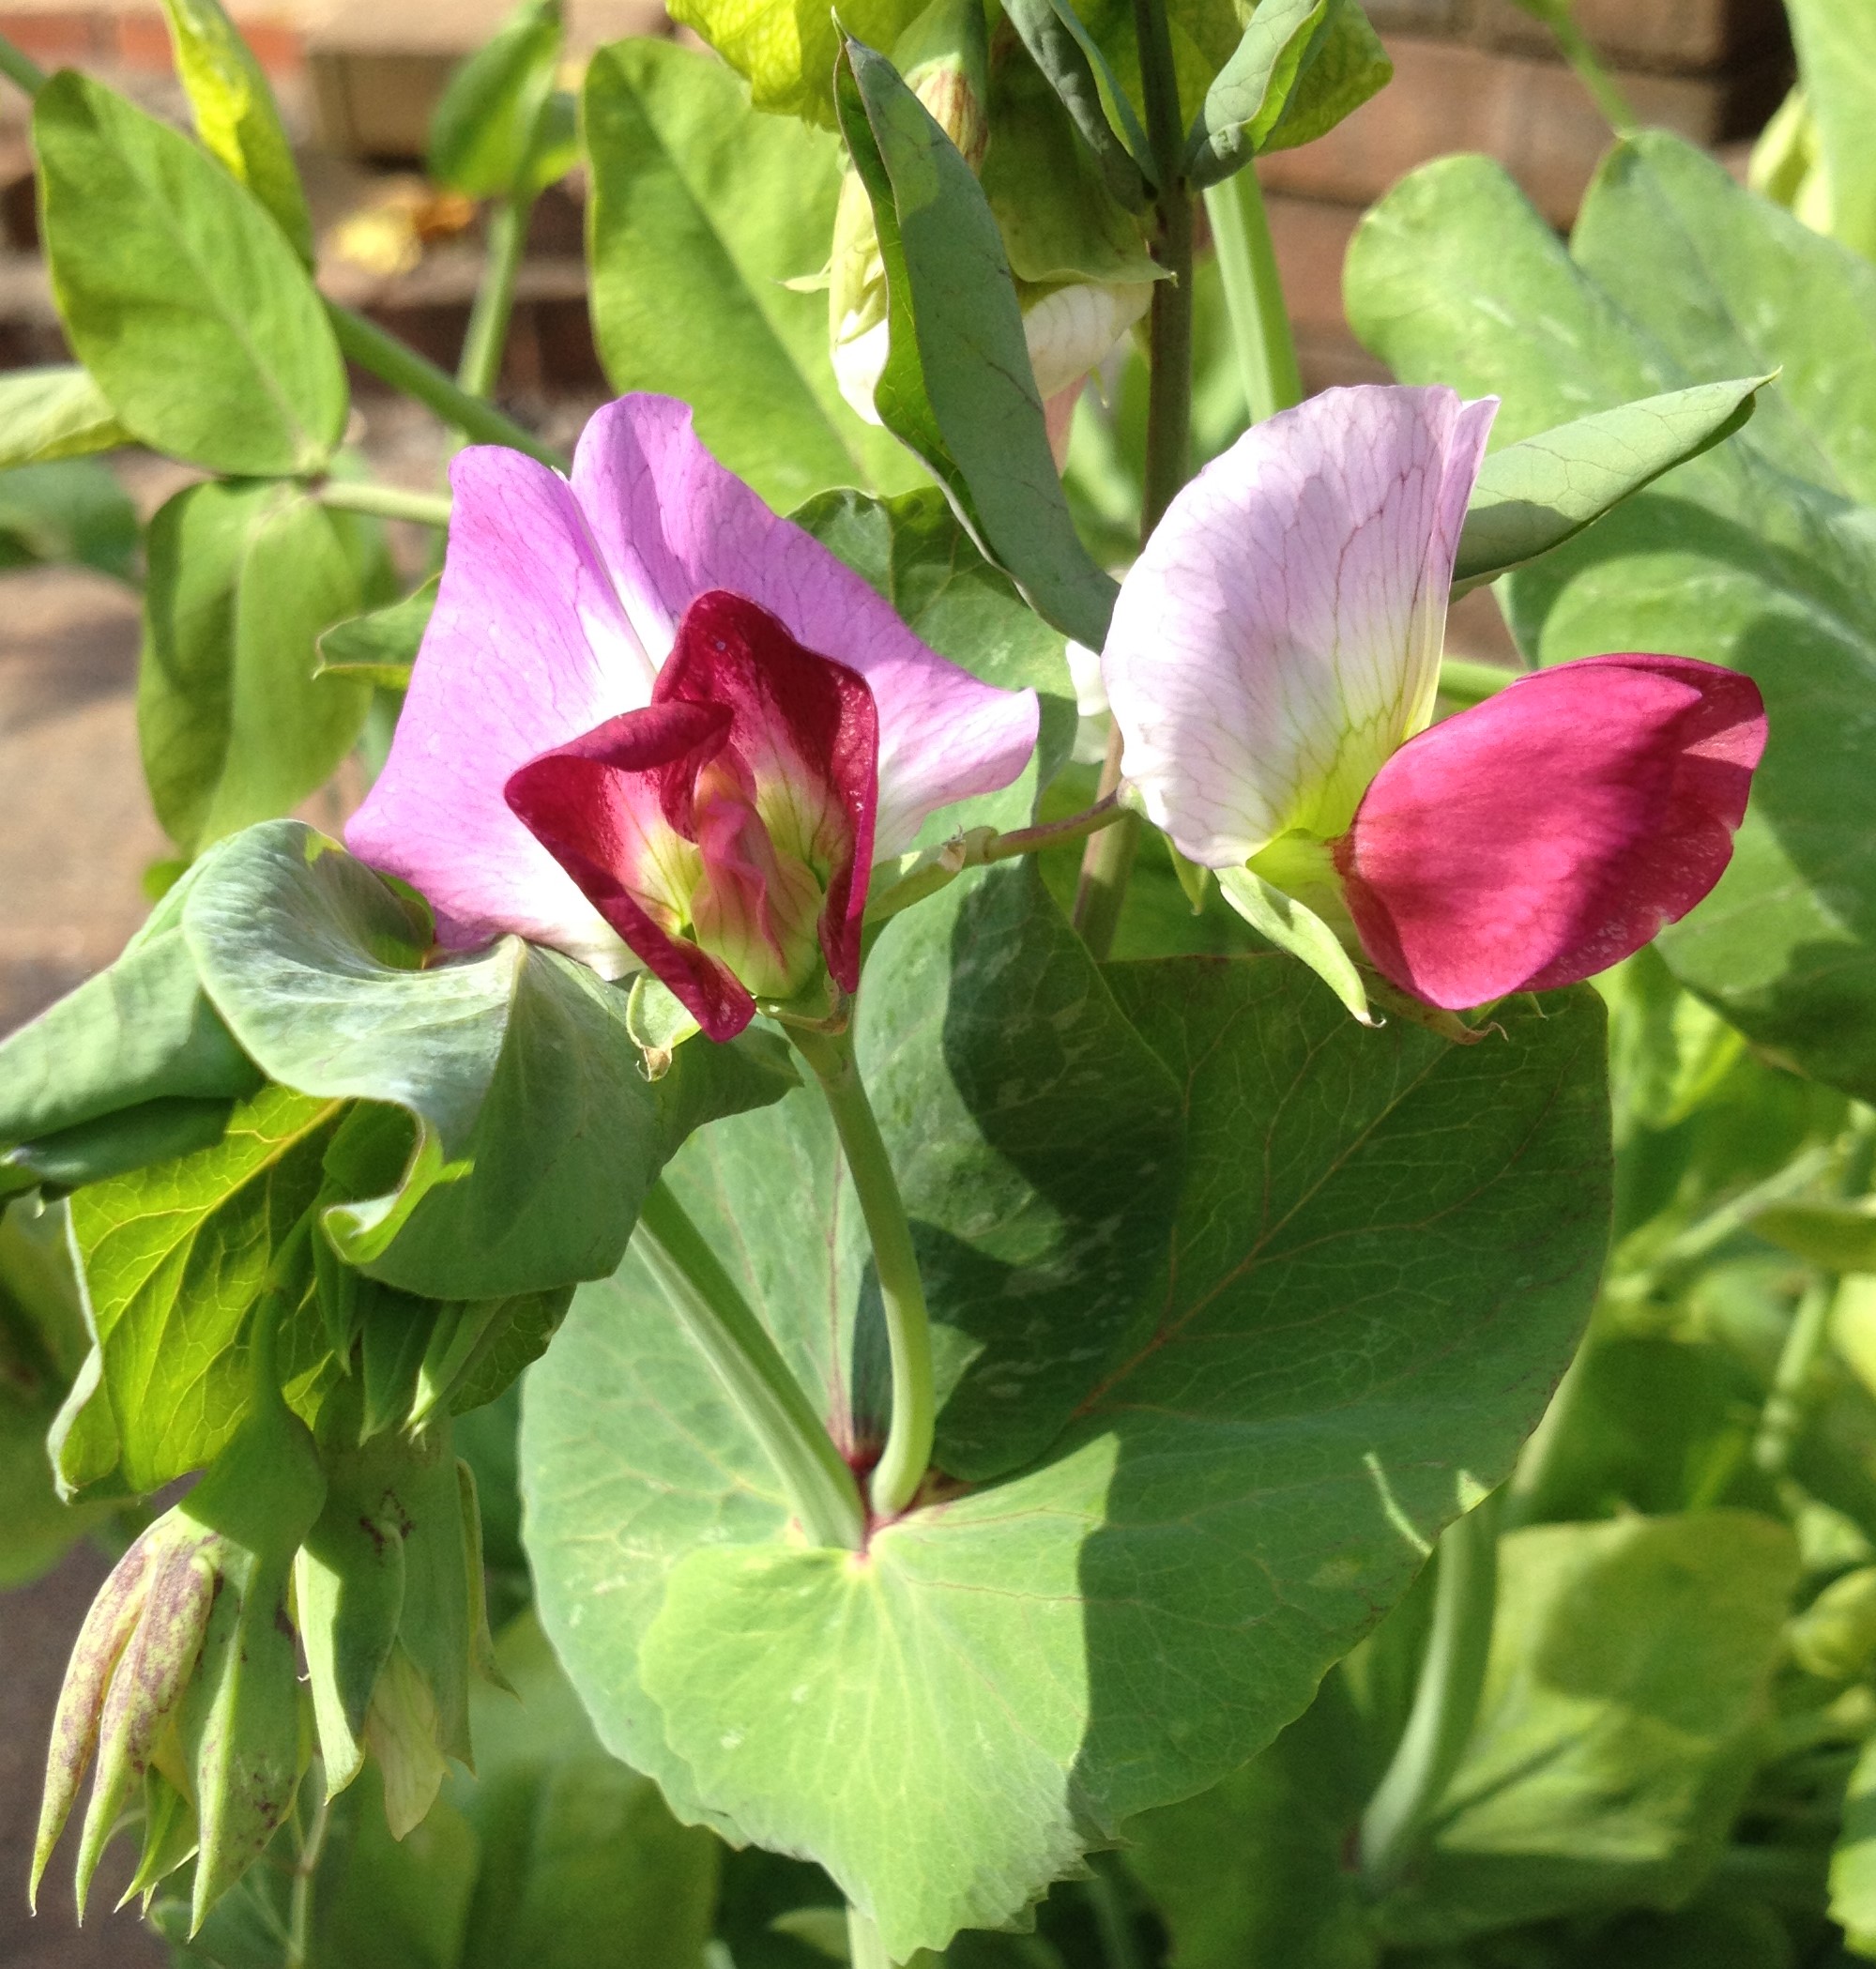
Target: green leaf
[(1332, 1356), (1837, 64), (378, 649), (175, 1256), (54, 413), (1253, 89), (235, 116), (958, 387), (1535, 495), (1077, 71), (1051, 200), (1841, 1237), (1255, 1870), (534, 1134), (482, 131), (702, 209), (233, 725), (70, 511), (787, 52), (1761, 553), (1852, 1864), (179, 293), (1346, 67), (1617, 1731)]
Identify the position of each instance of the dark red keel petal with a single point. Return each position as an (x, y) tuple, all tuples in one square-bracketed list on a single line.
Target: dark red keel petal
[(799, 714), (1550, 832), (590, 805)]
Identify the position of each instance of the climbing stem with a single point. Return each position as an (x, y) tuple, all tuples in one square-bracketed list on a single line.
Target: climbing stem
[(1445, 1699), (1254, 295), (908, 1454), (820, 1487), (1108, 860), (17, 66), (487, 337), (397, 363), (1574, 44), (1789, 1400), (305, 1871), (389, 502)]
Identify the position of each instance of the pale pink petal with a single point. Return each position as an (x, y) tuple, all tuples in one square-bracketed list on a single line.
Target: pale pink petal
[(526, 649), (1548, 832), (672, 523), (1279, 636)]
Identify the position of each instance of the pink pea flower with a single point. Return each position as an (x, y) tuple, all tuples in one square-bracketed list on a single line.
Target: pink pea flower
[(1272, 664), (655, 725)]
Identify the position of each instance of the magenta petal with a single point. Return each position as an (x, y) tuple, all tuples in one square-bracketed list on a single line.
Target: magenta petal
[(527, 648), (1550, 832), (672, 523)]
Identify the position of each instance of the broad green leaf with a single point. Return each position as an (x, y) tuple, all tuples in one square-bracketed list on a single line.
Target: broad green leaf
[(233, 725), (913, 550), (235, 116), (1345, 67), (179, 293), (175, 1256), (378, 649), (54, 413), (1617, 1731), (702, 209), (141, 1031), (1837, 64), (1053, 207), (1256, 1869), (1533, 495), (483, 132), (1761, 553), (1252, 90), (1332, 1356), (532, 1136), (1077, 69), (958, 387), (70, 511), (43, 1343), (785, 52)]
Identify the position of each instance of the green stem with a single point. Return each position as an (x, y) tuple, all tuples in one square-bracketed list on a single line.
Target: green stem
[(908, 1454), (1462, 681), (1445, 1700), (389, 502), (17, 66), (397, 363), (1120, 1944), (305, 1869), (820, 1487), (1254, 295), (480, 366), (864, 1949), (1108, 861), (1789, 1400), (1617, 110)]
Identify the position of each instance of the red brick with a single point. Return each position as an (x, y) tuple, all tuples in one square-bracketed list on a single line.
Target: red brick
[(1311, 239), (58, 39), (1534, 116), (143, 42), (1682, 35)]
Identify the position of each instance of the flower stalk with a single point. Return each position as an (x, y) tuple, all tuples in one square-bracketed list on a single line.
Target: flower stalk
[(1108, 860), (385, 502), (820, 1485), (19, 67), (1254, 295), (479, 368), (908, 1454)]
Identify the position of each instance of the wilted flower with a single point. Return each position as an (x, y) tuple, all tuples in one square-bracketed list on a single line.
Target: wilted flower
[(652, 720), (1272, 664)]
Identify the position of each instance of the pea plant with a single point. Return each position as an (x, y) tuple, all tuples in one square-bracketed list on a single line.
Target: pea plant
[(928, 1244)]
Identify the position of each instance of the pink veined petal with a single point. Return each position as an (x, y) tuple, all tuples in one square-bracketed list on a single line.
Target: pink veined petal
[(1550, 832), (1279, 635), (671, 523), (527, 648)]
